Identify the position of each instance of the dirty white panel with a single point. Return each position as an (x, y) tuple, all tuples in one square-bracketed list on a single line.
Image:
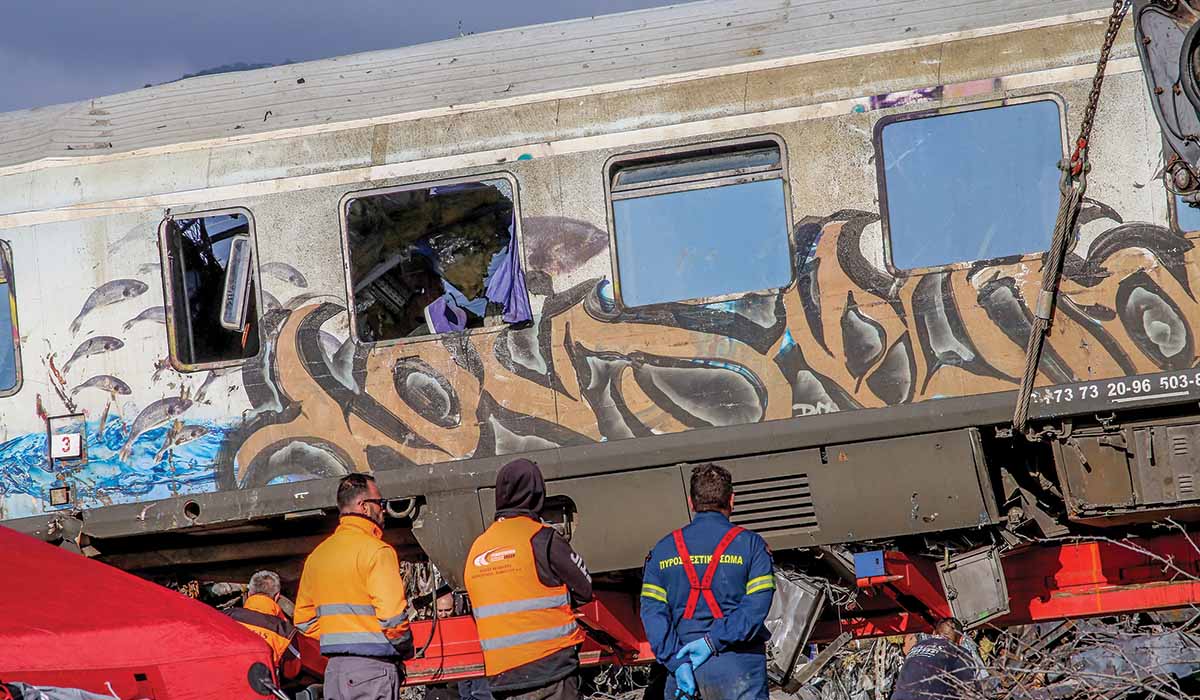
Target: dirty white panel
[(16, 192), (97, 182)]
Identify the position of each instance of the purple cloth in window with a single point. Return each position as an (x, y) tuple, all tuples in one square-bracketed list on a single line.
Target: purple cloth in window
[(507, 287), (444, 316)]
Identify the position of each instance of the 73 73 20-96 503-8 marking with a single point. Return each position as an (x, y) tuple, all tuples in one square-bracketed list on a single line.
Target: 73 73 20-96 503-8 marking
[(1121, 391)]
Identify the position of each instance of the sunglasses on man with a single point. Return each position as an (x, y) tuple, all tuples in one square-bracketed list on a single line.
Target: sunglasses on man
[(381, 502)]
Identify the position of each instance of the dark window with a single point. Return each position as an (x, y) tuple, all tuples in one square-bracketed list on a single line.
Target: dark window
[(701, 223), (10, 343), (971, 185), (212, 290), (433, 258)]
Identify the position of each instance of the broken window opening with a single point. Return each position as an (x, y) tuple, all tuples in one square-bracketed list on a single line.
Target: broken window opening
[(969, 184), (10, 338), (432, 259), (700, 223), (213, 308)]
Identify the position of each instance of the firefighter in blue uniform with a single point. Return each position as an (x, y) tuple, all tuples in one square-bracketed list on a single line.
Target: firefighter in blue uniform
[(706, 591)]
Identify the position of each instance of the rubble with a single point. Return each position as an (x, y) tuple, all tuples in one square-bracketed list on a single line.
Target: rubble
[(1128, 657)]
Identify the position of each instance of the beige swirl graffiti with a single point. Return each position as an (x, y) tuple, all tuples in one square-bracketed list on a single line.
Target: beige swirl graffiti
[(845, 336)]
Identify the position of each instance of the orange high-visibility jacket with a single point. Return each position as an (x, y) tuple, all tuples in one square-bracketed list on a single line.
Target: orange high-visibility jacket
[(351, 594), (520, 620), (262, 616)]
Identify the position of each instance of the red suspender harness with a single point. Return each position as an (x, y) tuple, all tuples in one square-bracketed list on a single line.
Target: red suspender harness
[(704, 587)]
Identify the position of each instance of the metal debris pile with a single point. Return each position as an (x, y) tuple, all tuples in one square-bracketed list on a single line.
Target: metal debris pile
[(1130, 657), (617, 683)]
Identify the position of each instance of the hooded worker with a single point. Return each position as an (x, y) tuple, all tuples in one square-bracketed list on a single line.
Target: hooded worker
[(524, 581)]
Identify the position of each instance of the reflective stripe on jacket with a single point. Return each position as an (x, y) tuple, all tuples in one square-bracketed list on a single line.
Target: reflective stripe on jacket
[(262, 616), (351, 594), (742, 587), (520, 620)]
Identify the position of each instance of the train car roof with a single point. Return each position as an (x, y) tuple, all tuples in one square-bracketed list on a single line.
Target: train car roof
[(512, 66)]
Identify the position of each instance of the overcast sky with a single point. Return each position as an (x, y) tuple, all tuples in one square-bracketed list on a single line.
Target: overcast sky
[(54, 51)]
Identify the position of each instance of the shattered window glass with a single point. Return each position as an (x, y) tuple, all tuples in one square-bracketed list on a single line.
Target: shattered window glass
[(701, 224), (433, 259), (971, 185), (10, 359), (213, 289)]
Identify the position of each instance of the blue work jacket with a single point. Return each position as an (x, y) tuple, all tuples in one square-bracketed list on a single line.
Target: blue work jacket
[(743, 587)]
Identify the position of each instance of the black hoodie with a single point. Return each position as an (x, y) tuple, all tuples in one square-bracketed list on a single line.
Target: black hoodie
[(520, 490), (521, 493)]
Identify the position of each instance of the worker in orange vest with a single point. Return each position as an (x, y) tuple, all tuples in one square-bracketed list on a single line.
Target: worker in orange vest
[(262, 615), (352, 599), (524, 579)]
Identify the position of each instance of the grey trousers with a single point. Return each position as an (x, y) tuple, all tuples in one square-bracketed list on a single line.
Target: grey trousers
[(362, 678)]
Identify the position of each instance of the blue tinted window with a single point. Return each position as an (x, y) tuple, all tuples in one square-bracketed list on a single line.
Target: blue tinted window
[(972, 185), (725, 237), (10, 375), (1186, 217)]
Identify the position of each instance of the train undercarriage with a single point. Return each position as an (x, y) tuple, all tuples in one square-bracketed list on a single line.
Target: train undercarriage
[(1084, 516)]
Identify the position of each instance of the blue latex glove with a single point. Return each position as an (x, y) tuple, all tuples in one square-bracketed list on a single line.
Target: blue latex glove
[(698, 651), (685, 682)]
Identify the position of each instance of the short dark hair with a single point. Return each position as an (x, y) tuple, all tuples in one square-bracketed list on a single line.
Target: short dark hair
[(350, 488), (951, 622), (711, 487)]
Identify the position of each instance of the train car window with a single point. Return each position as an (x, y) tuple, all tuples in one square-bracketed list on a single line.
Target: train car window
[(212, 296), (10, 338), (434, 258), (969, 185), (701, 223), (1187, 217)]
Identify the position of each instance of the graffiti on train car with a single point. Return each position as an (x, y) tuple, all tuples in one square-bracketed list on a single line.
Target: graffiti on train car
[(847, 335)]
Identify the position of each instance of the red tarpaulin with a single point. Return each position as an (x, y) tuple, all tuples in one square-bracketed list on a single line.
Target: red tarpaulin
[(66, 620)]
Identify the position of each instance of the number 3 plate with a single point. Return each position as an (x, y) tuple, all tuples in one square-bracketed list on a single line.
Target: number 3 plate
[(65, 446)]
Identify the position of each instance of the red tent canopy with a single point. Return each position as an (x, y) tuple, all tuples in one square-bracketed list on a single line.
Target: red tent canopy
[(66, 620)]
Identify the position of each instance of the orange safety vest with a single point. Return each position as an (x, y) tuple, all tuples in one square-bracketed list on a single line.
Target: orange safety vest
[(520, 620), (262, 616)]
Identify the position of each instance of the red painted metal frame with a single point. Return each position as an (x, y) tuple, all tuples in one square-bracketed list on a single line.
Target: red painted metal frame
[(1045, 582), (1051, 581)]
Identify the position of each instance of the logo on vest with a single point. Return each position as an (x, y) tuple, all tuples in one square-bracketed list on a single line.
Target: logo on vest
[(494, 555), (701, 559)]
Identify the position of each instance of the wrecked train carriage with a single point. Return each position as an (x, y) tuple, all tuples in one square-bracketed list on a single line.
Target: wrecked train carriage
[(803, 245)]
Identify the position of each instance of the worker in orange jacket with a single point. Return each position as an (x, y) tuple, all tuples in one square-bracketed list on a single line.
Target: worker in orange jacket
[(524, 580), (262, 615), (352, 599)]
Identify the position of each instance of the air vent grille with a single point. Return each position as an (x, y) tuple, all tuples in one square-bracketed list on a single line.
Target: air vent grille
[(777, 505), (1185, 484)]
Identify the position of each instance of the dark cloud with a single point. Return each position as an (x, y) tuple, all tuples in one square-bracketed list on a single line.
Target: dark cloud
[(57, 51)]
